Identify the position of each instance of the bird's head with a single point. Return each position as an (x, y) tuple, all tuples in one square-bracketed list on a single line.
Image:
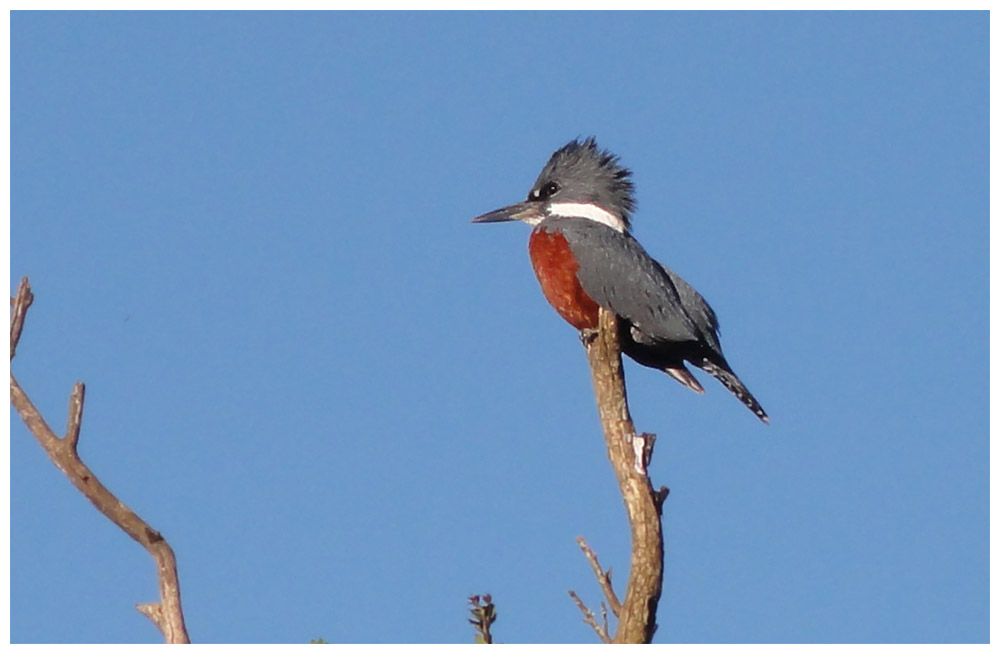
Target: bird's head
[(579, 181)]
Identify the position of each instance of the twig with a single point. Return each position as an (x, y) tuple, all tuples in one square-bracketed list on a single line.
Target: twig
[(167, 614), (603, 578), (637, 619), (588, 617)]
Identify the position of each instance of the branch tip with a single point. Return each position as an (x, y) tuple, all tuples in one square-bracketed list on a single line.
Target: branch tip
[(588, 617), (19, 309), (484, 614)]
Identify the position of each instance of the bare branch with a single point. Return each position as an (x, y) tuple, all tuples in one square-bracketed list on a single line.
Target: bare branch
[(627, 451), (588, 617), (169, 617), (603, 578)]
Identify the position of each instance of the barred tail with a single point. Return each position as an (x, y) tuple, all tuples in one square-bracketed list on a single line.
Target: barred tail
[(734, 385)]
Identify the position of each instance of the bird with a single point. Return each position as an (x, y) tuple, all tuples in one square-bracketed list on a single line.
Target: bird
[(585, 258)]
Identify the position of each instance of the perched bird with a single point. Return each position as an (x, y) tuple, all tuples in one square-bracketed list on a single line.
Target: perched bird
[(585, 257)]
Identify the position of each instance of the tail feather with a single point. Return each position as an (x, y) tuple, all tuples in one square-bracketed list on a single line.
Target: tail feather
[(684, 376), (734, 385)]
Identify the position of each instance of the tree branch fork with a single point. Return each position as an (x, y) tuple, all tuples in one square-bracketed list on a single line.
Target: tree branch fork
[(167, 614)]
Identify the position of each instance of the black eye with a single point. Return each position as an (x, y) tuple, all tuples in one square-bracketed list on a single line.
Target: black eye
[(544, 192)]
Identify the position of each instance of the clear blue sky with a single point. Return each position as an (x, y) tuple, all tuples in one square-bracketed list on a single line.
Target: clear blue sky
[(348, 409)]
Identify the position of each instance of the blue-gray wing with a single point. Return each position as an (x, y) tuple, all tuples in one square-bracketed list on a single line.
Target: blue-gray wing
[(696, 307), (618, 274)]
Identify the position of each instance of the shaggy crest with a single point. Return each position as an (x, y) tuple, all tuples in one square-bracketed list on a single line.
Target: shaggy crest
[(593, 175)]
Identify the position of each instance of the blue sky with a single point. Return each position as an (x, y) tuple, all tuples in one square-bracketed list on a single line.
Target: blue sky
[(348, 409)]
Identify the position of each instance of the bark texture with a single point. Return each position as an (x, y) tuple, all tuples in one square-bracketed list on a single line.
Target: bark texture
[(629, 454)]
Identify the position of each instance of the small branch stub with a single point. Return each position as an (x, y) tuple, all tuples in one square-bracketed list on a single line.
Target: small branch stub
[(18, 310), (75, 415)]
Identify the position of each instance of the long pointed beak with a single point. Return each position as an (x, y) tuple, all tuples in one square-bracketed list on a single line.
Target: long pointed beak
[(526, 211)]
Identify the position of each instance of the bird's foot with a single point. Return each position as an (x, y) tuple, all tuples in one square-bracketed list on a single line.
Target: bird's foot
[(588, 335)]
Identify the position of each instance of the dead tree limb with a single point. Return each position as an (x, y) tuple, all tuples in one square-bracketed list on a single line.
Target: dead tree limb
[(629, 453), (167, 614)]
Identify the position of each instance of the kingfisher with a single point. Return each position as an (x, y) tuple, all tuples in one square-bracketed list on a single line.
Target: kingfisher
[(585, 258)]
